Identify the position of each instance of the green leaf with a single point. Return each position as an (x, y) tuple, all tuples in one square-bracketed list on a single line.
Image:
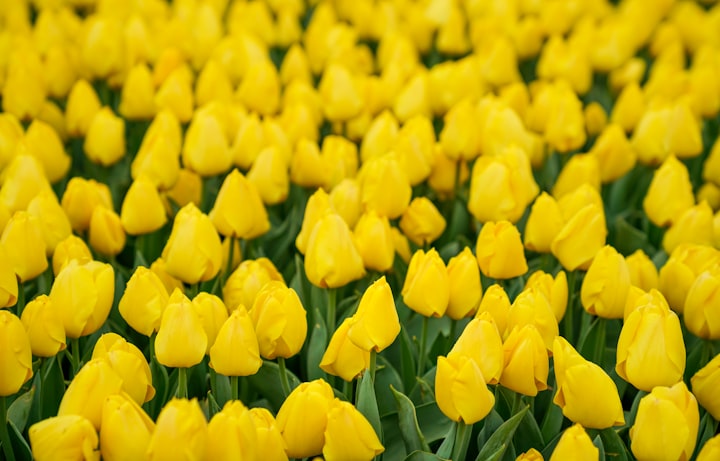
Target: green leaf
[(213, 405), (592, 344), (161, 382), (613, 445), (490, 424), (423, 456), (432, 422), (495, 447), (446, 448), (50, 391), (529, 434), (222, 388), (385, 377), (552, 423), (19, 410), (367, 403), (407, 360), (407, 421), (267, 383), (597, 441), (20, 447), (316, 347)]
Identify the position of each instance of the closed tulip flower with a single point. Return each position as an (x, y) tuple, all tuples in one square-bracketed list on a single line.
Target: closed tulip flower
[(24, 89), (8, 281), (175, 94), (53, 220), (303, 418), (212, 313), (213, 84), (15, 354), (307, 166), (24, 246), (11, 133), (342, 357), (465, 286), (711, 450), (260, 89), (585, 392), (699, 314), (126, 429), (318, 205), (245, 282), (678, 273), (670, 410), (341, 94), (615, 154), (235, 351), (44, 327), (580, 169), (526, 361), (332, 259), (670, 193), (181, 432), (345, 200), (82, 105), (422, 222), (375, 324), (643, 273), (348, 435), (44, 143), (206, 150), (427, 286), (650, 350), (544, 223), (88, 390), (481, 342), (72, 436), (460, 389), (280, 321), (530, 455), (269, 439), (384, 186), (705, 384), (228, 220), (129, 363), (500, 251), (80, 199), (554, 289), (106, 235), (695, 225), (231, 433), (193, 253), (269, 175), (532, 307), (581, 238), (495, 301), (142, 210), (606, 284), (458, 140), (341, 156), (575, 443), (373, 240), (24, 179), (105, 138), (158, 157), (181, 340), (72, 247), (380, 137), (137, 100)]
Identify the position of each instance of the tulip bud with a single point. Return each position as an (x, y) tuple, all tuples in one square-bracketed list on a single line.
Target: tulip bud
[(23, 180), (711, 450), (670, 193), (53, 221), (380, 137), (427, 285), (307, 167), (213, 84), (643, 273), (664, 131), (695, 225), (72, 247), (575, 444), (586, 394), (614, 153), (158, 157), (342, 357), (332, 259), (543, 224), (24, 90), (280, 321), (671, 410), (206, 150), (580, 169), (341, 157), (24, 246), (340, 93), (384, 186), (175, 95), (88, 390), (181, 340), (704, 386), (651, 332), (11, 133), (82, 105), (422, 222), (137, 100), (269, 439), (375, 324), (349, 434), (495, 301), (248, 223), (8, 281), (303, 418), (231, 433), (126, 429), (606, 284), (130, 365), (15, 354), (72, 435), (442, 178), (193, 252), (345, 200), (142, 210), (44, 327), (581, 238), (699, 315), (481, 342), (530, 455), (180, 432), (105, 138), (106, 235), (269, 175), (212, 313), (460, 389), (44, 143), (465, 286), (526, 361), (260, 89), (373, 240), (235, 351), (500, 251), (80, 199), (187, 189), (243, 285)]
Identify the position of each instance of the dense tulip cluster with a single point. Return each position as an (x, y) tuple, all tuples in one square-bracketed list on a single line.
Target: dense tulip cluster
[(357, 230)]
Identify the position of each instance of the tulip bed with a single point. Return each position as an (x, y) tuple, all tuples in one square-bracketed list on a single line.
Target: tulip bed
[(359, 229)]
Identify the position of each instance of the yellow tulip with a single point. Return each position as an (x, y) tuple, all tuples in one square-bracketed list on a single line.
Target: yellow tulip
[(72, 435), (526, 361), (88, 390), (280, 321), (15, 354), (375, 324), (343, 357), (332, 259), (575, 444), (606, 284), (460, 389), (44, 327), (303, 418), (704, 386), (235, 350), (126, 429), (180, 432), (181, 340), (427, 285), (500, 251), (349, 435)]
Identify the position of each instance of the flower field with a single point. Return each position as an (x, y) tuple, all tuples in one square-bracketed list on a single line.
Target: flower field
[(359, 229)]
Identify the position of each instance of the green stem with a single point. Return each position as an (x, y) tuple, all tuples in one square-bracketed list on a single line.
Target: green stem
[(4, 435), (451, 337), (231, 255), (331, 308), (421, 351), (75, 357), (462, 440), (182, 387), (569, 320), (283, 376), (234, 387), (599, 350), (516, 404), (213, 381), (347, 390), (20, 299), (373, 364)]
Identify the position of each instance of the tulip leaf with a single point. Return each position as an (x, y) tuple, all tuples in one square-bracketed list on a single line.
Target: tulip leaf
[(161, 382), (592, 344), (367, 402), (407, 421), (20, 447), (423, 456), (316, 347), (528, 434), (552, 423), (407, 360), (386, 377), (613, 445), (446, 448), (19, 410), (597, 441), (499, 441), (267, 383), (433, 423), (50, 388), (490, 424)]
